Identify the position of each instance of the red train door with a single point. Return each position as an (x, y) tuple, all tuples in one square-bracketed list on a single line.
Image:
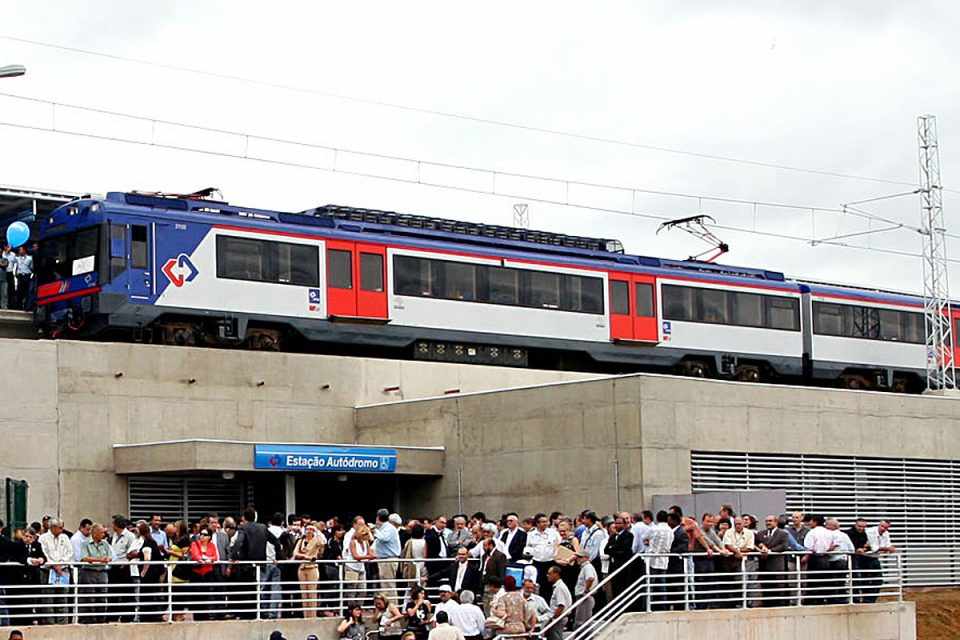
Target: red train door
[(644, 308), (341, 280), (356, 280), (371, 270), (621, 322)]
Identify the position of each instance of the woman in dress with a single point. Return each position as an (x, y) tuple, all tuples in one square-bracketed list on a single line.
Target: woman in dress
[(569, 571), (511, 610), (308, 548), (415, 549), (388, 616)]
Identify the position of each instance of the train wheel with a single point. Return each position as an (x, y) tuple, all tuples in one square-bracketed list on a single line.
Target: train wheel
[(695, 369), (180, 334), (748, 373), (855, 381), (264, 340)]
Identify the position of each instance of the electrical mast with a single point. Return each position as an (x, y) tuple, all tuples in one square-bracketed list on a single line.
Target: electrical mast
[(936, 290)]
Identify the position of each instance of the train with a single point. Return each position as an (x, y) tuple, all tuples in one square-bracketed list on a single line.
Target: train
[(193, 271)]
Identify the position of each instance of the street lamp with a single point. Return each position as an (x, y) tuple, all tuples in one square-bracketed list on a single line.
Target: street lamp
[(12, 71)]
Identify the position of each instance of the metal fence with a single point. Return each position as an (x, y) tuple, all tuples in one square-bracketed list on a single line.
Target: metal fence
[(167, 591), (693, 583)]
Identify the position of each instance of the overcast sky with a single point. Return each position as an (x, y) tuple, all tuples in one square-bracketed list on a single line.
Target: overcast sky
[(809, 85)]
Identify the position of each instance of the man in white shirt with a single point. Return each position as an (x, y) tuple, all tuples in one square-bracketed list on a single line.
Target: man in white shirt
[(878, 542), (514, 538), (542, 548), (80, 538), (560, 601), (839, 562), (660, 541), (535, 601), (59, 552), (469, 617), (444, 630), (642, 530), (819, 541), (488, 532), (593, 539), (586, 580), (121, 591)]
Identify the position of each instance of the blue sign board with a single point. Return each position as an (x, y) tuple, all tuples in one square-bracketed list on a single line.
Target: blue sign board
[(294, 457)]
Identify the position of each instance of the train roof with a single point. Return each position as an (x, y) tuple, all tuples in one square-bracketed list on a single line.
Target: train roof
[(579, 249)]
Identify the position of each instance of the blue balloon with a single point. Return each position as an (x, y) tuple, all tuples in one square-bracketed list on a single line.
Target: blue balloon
[(17, 234)]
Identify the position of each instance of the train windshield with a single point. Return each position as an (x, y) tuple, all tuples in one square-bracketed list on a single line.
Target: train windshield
[(72, 254)]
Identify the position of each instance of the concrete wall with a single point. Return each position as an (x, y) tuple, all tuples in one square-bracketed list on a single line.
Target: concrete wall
[(615, 442), (886, 621), (77, 399), (324, 628)]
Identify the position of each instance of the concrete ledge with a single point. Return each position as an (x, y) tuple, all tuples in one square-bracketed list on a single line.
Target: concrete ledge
[(324, 628), (231, 455), (882, 621)]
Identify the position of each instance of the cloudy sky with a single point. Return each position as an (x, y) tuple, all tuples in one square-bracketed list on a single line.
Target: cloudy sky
[(805, 85)]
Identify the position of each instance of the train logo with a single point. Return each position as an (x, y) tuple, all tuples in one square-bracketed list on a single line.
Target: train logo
[(313, 300), (179, 270)]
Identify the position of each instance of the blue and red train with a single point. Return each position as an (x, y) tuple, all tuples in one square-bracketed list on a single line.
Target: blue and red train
[(178, 270)]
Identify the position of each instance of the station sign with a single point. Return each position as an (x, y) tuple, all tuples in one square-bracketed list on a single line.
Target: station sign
[(275, 457)]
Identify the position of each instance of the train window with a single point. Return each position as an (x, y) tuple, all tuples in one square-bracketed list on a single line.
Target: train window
[(783, 313), (265, 261), (118, 250), (544, 290), (591, 292), (138, 246), (827, 319), (459, 280), (371, 272), (411, 276), (678, 302), (581, 294), (297, 264), (890, 328), (619, 297), (503, 285), (913, 329), (713, 306), (747, 309), (240, 258), (644, 293), (339, 269)]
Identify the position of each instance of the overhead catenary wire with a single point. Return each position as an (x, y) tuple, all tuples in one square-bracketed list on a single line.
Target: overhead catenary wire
[(500, 194), (420, 163), (451, 114)]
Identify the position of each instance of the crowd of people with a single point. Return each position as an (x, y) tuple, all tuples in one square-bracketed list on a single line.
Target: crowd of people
[(16, 266), (464, 576)]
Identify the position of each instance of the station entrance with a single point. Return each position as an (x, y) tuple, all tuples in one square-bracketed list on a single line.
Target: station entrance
[(321, 495)]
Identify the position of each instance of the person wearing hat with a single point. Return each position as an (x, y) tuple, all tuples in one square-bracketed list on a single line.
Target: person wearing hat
[(448, 601), (586, 580)]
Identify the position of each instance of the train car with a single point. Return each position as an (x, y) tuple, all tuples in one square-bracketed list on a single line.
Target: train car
[(185, 271)]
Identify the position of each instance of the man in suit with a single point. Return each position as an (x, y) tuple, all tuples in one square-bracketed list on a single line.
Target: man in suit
[(462, 575), (773, 540), (493, 567), (514, 538), (680, 545), (251, 544), (620, 549), (437, 551)]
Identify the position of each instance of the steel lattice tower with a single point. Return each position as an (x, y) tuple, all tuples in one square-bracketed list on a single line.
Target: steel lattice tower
[(936, 289)]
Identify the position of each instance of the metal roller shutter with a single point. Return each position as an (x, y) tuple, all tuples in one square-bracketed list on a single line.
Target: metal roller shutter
[(183, 497), (920, 498)]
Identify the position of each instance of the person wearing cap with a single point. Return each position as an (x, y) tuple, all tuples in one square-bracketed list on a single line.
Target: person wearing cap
[(448, 600), (586, 580), (386, 545), (444, 630)]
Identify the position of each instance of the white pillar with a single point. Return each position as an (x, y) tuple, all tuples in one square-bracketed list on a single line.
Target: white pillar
[(290, 494)]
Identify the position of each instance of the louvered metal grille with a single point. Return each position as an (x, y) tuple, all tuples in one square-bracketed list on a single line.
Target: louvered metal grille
[(183, 498), (920, 498)]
